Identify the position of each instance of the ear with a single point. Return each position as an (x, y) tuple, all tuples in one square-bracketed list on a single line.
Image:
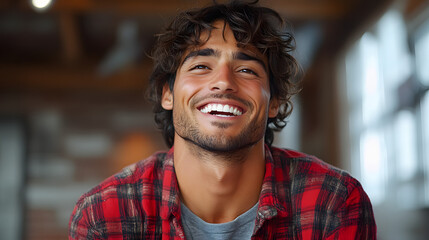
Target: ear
[(273, 108), (167, 98)]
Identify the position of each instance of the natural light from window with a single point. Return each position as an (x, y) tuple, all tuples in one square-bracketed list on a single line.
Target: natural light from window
[(422, 56), (373, 165), (406, 145), (377, 67)]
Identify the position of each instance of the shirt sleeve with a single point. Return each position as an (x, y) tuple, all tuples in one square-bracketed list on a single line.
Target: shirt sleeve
[(80, 226), (357, 218)]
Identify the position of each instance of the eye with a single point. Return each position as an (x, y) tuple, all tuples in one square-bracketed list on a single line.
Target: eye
[(249, 71), (199, 67)]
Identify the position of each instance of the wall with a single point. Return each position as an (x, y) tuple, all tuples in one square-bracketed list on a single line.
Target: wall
[(72, 144)]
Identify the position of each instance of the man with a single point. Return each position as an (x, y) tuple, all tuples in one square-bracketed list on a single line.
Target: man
[(221, 84)]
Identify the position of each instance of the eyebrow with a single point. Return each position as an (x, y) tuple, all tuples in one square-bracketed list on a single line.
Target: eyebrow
[(207, 52), (247, 57)]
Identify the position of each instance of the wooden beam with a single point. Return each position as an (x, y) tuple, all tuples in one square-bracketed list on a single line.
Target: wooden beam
[(413, 7), (310, 9), (72, 49), (62, 78), (296, 9), (341, 33)]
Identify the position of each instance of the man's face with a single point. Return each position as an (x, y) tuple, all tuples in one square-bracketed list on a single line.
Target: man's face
[(221, 96)]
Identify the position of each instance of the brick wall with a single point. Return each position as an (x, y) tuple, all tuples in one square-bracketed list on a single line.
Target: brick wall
[(72, 145)]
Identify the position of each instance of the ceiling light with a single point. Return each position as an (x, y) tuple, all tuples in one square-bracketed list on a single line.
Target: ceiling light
[(41, 5)]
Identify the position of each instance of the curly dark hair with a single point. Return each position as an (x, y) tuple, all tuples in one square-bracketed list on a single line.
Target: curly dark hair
[(251, 24)]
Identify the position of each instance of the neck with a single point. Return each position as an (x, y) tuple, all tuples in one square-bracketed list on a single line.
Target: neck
[(218, 187)]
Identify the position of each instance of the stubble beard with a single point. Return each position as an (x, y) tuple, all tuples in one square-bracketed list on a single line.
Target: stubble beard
[(231, 148)]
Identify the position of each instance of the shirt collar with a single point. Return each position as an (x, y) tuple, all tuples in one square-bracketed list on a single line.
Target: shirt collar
[(273, 199), (271, 202), (170, 203)]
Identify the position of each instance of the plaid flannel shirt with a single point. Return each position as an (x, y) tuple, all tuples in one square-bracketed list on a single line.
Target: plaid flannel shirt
[(301, 198)]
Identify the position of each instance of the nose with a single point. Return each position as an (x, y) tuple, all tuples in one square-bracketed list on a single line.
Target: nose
[(224, 80)]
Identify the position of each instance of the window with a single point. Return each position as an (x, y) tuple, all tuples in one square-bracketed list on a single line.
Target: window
[(389, 107), (421, 49), (12, 169)]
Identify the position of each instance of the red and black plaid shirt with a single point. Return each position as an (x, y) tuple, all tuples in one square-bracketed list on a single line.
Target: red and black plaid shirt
[(301, 198)]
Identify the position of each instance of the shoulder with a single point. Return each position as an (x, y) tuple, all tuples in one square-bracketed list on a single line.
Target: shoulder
[(124, 198), (299, 161), (334, 198), (129, 185), (144, 171), (309, 172)]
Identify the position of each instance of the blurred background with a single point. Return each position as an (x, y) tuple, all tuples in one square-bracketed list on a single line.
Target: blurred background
[(72, 107)]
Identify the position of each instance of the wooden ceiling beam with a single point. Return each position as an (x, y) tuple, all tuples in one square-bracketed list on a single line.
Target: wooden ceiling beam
[(310, 9), (62, 78), (414, 7), (72, 49), (296, 9)]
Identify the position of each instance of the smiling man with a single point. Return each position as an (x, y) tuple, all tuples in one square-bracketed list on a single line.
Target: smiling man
[(221, 85)]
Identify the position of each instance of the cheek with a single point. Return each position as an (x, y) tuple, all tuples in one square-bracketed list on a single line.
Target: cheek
[(187, 88), (265, 93), (260, 95), (258, 92)]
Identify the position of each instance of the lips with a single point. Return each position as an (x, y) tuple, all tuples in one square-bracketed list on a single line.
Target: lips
[(221, 110)]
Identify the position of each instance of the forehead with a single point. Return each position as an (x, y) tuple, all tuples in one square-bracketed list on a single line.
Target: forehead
[(221, 37)]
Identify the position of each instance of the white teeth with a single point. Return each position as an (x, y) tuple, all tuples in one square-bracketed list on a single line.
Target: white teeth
[(221, 109), (225, 108), (231, 110)]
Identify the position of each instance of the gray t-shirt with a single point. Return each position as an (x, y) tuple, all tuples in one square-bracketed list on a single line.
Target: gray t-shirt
[(240, 228)]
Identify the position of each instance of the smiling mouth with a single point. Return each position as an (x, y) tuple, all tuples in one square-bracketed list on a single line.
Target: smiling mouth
[(221, 110)]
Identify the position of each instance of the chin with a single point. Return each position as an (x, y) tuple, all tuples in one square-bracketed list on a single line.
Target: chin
[(224, 145)]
